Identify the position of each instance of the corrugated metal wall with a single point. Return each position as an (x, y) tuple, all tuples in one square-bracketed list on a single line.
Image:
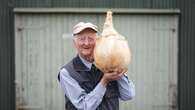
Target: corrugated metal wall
[(7, 95), (187, 55), (40, 51), (186, 41), (98, 3)]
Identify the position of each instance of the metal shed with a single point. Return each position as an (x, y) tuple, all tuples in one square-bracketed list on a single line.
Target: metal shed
[(40, 51), (183, 61)]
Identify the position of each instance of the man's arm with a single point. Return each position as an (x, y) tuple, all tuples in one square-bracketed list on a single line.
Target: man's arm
[(126, 88), (79, 98)]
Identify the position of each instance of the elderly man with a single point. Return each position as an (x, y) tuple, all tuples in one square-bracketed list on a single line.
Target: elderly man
[(85, 86)]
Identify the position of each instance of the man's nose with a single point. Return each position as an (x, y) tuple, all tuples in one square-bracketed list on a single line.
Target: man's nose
[(86, 42)]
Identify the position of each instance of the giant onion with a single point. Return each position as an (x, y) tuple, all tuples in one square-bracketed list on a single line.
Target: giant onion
[(111, 51)]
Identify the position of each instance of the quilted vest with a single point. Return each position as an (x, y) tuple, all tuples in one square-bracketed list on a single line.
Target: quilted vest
[(88, 79)]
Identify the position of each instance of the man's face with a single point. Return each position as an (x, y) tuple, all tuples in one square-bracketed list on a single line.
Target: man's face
[(85, 43)]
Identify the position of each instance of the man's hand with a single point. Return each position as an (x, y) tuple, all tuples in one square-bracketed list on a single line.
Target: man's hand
[(110, 76)]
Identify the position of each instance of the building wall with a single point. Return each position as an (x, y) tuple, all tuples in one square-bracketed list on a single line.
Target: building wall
[(186, 38), (98, 3), (7, 94)]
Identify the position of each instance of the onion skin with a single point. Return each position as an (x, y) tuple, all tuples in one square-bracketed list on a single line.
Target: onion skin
[(111, 51)]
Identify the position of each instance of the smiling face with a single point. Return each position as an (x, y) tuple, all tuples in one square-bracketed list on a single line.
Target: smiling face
[(85, 43)]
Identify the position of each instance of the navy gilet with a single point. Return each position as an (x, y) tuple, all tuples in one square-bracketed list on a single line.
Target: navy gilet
[(88, 79)]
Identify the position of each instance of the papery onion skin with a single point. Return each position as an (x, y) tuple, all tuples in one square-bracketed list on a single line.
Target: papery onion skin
[(111, 51)]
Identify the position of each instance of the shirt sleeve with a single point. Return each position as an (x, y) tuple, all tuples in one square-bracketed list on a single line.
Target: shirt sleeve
[(126, 88), (79, 98)]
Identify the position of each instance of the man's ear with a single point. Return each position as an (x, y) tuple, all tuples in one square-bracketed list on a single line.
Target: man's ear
[(74, 42)]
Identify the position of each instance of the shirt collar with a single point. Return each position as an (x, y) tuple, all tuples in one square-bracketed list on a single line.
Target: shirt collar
[(85, 62)]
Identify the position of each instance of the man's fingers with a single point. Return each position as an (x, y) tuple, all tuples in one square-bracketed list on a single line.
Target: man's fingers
[(115, 75), (124, 71), (121, 74)]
